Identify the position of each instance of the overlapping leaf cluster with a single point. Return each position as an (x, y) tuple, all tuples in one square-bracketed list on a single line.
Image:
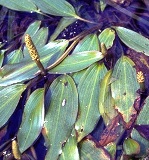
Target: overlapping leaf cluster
[(83, 91)]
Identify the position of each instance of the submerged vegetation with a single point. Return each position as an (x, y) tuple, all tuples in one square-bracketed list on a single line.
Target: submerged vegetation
[(74, 79)]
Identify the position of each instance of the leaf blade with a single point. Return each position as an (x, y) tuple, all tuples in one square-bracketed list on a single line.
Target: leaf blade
[(124, 87), (33, 119), (88, 90), (77, 62), (17, 5), (133, 40), (63, 108), (9, 98)]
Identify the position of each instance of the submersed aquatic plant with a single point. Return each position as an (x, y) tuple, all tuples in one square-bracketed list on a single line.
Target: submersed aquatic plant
[(83, 92)]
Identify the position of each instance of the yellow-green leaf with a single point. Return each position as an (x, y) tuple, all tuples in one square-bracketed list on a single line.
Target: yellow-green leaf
[(131, 146), (89, 151), (106, 101), (107, 37)]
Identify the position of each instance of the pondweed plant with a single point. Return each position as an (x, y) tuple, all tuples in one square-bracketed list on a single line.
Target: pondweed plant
[(86, 95)]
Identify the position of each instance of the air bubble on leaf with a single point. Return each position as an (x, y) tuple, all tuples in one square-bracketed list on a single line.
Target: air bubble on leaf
[(63, 102), (31, 11), (86, 106), (20, 128), (72, 135), (60, 151), (77, 128), (45, 121), (30, 119)]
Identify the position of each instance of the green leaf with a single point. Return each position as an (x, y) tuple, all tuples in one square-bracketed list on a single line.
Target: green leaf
[(63, 23), (124, 87), (111, 148), (143, 115), (9, 98), (106, 101), (77, 76), (33, 119), (1, 57), (88, 90), (131, 147), (33, 28), (133, 40), (40, 38), (89, 151), (57, 8), (61, 114), (89, 43), (15, 56), (23, 5), (70, 150), (107, 37), (10, 74), (77, 62), (102, 5), (144, 143)]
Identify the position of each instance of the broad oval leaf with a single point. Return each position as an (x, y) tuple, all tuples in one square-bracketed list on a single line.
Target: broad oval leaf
[(107, 37), (70, 150), (88, 150), (124, 87), (23, 5), (133, 40), (61, 115), (131, 147), (77, 62), (9, 98), (10, 74), (33, 119), (88, 90), (144, 143), (57, 8)]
